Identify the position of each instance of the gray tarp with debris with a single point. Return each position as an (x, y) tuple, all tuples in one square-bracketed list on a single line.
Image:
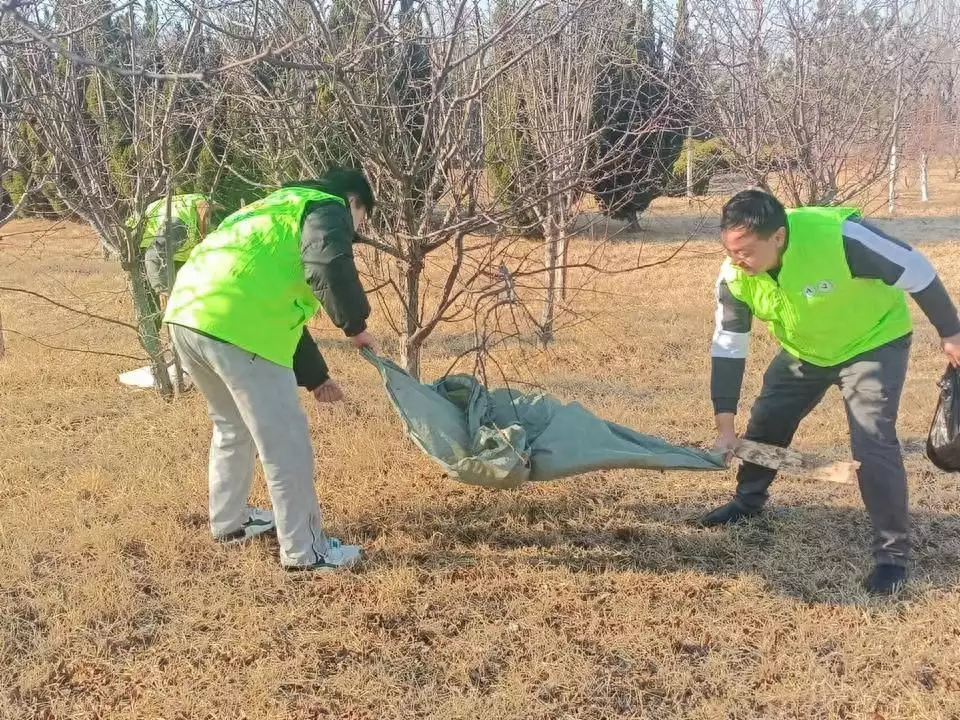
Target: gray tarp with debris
[(501, 438)]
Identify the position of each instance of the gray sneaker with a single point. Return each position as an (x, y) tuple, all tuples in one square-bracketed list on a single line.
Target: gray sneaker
[(336, 557), (258, 522)]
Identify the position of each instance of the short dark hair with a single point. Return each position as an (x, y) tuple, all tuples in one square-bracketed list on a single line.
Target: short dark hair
[(341, 182), (756, 211)]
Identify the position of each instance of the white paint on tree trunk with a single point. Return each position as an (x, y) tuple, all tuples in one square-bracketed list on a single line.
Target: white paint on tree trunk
[(892, 185), (894, 148), (924, 177)]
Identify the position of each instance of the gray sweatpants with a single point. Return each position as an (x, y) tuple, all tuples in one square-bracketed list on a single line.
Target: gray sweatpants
[(255, 408), (871, 385), (155, 268), (155, 257)]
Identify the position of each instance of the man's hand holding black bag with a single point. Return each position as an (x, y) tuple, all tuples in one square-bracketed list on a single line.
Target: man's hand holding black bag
[(943, 441)]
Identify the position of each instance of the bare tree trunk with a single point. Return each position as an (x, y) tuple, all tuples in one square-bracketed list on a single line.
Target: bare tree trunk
[(551, 248), (149, 333), (924, 177), (563, 252), (410, 342), (690, 161), (168, 255), (633, 222), (892, 183), (894, 141), (955, 152), (410, 355)]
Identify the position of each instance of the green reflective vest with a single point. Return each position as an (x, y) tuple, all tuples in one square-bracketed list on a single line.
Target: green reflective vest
[(245, 283), (184, 208), (815, 309)]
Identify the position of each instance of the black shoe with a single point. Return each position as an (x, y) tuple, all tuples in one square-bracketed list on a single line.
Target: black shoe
[(728, 514), (886, 580)]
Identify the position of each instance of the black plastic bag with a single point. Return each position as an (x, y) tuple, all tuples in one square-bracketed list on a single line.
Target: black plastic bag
[(943, 441)]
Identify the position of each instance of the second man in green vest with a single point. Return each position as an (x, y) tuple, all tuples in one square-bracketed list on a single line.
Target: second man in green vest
[(831, 289), (189, 219), (238, 314)]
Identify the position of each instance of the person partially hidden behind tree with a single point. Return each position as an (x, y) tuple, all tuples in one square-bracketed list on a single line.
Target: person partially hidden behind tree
[(237, 316), (189, 219), (831, 289)]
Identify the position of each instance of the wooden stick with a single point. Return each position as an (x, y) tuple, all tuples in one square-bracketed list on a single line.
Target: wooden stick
[(797, 464)]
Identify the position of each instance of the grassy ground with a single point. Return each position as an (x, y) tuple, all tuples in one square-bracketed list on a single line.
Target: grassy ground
[(588, 598)]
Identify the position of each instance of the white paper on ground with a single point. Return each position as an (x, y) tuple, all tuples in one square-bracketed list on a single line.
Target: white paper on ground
[(143, 377)]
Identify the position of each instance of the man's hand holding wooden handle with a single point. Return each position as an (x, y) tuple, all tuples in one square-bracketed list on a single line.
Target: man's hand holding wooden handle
[(727, 439)]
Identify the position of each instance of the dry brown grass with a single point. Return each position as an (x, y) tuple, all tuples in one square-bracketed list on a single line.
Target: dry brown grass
[(588, 598)]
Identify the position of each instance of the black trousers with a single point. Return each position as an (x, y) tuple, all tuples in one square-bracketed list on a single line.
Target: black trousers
[(871, 385)]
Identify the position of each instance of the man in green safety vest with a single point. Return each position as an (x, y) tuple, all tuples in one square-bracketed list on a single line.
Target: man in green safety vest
[(831, 289), (189, 216), (237, 315)]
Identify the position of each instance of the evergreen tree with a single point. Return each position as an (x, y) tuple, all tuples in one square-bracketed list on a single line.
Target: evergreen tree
[(641, 114)]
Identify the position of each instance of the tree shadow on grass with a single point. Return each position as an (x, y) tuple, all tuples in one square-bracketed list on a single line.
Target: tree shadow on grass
[(814, 554)]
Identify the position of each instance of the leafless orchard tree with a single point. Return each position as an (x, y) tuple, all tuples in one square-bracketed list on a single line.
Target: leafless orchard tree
[(11, 115), (401, 88), (932, 123), (544, 112), (589, 102), (106, 109), (813, 92)]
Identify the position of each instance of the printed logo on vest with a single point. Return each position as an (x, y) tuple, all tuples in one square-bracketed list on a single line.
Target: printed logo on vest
[(825, 286), (809, 291)]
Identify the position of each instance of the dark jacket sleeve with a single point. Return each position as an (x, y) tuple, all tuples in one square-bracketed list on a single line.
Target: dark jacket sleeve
[(731, 340), (309, 367), (872, 254), (326, 246)]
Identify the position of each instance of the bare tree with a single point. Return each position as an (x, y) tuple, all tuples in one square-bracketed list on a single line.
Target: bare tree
[(894, 162), (545, 106), (12, 116), (931, 123), (403, 88), (809, 93), (589, 107), (125, 104), (106, 118)]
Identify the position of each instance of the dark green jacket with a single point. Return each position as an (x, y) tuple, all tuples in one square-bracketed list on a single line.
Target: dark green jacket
[(326, 247)]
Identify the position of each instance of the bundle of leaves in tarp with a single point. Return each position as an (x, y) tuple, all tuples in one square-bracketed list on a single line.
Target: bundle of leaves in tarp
[(943, 441), (502, 438)]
